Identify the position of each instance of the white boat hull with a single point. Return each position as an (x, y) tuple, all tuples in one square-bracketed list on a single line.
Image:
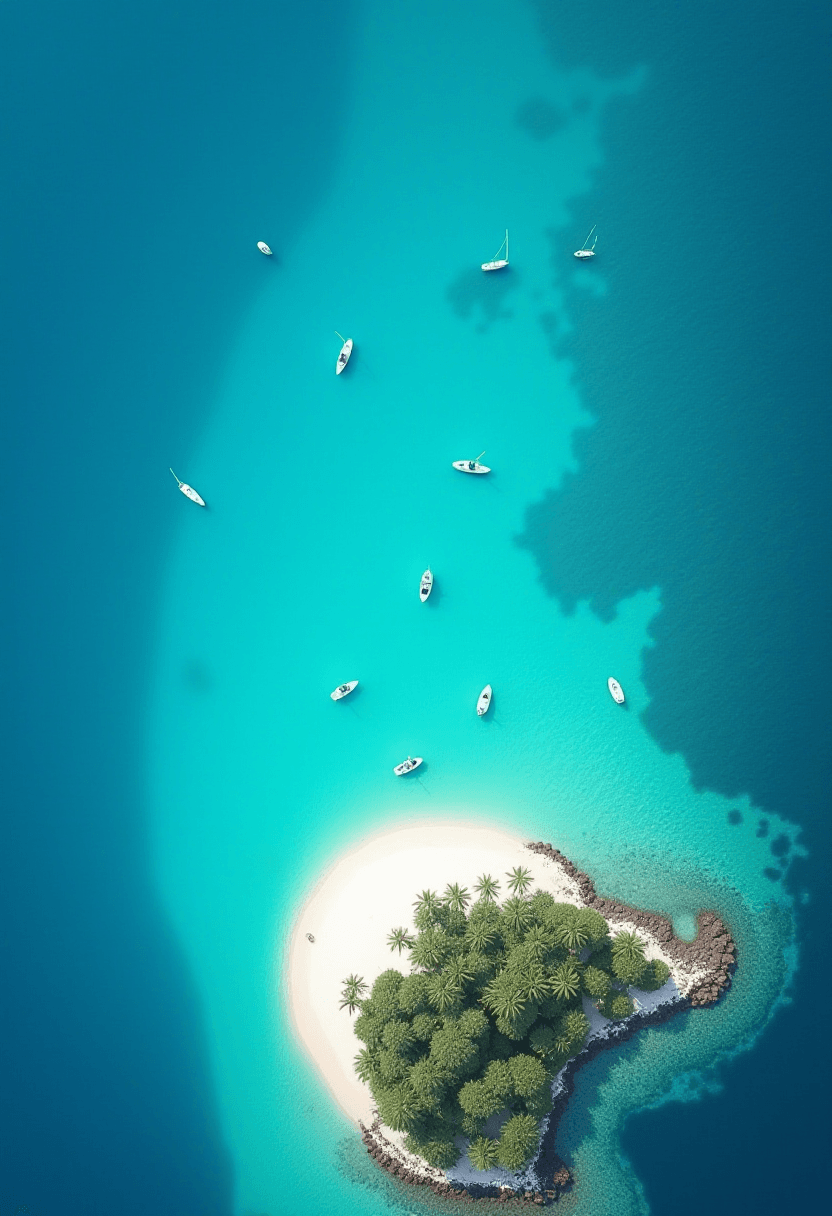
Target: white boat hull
[(343, 357), (584, 253), (484, 701), (464, 466), (407, 766), (425, 586), (191, 493), (344, 690), (616, 691), (495, 265), (263, 247)]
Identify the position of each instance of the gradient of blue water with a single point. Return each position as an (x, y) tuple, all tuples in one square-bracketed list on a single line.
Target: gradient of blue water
[(149, 1028)]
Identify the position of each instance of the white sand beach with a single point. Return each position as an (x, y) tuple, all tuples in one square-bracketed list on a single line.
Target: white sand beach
[(369, 891)]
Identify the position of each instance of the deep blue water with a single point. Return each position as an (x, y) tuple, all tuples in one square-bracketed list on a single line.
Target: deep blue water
[(132, 164), (712, 177), (141, 151)]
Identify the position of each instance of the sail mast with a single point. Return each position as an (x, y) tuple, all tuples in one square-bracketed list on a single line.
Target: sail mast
[(506, 244)]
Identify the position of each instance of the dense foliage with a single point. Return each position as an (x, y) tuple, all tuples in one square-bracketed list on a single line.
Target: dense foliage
[(488, 1016)]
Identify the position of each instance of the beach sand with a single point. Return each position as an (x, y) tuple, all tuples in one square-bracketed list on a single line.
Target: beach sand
[(371, 890)]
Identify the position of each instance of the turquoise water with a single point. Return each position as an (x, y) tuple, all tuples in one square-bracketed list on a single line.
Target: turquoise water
[(659, 509), (328, 497)]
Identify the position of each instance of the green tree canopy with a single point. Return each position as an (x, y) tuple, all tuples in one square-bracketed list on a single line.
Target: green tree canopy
[(396, 1107), (518, 1139), (490, 1011), (528, 1076), (595, 982), (655, 974), (628, 968), (594, 926), (430, 949), (621, 1006)]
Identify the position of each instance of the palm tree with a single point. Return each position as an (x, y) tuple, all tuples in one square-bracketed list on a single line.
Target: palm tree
[(456, 897), (443, 991), (427, 951), (399, 1110), (629, 945), (575, 1025), (487, 888), (517, 914), (535, 983), (480, 935), (428, 901), (459, 971), (363, 1065), (354, 986), (565, 983), (519, 880), (482, 1153), (399, 939), (504, 998), (538, 941), (572, 935)]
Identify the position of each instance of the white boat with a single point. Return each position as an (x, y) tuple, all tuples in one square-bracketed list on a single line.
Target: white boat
[(425, 585), (583, 252), (407, 766), (616, 691), (471, 466), (189, 491), (263, 247), (484, 700), (344, 354), (344, 690), (497, 262)]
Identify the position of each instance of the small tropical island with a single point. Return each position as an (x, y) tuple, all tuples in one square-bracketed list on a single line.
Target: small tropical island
[(505, 980)]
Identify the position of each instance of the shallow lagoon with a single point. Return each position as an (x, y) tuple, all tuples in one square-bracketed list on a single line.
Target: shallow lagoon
[(328, 497)]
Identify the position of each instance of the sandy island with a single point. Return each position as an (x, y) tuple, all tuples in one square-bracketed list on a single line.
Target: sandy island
[(371, 890)]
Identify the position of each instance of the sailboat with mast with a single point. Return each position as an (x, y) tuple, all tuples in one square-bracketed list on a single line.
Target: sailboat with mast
[(498, 262), (189, 491), (583, 252), (344, 354), (471, 466)]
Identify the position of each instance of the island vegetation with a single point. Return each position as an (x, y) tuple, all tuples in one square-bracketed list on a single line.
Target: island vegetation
[(488, 1014)]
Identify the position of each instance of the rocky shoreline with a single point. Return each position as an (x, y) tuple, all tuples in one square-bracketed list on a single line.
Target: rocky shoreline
[(713, 956), (713, 949)]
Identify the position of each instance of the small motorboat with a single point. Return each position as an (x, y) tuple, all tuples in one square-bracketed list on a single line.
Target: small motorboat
[(484, 700), (344, 354), (426, 585), (344, 690), (616, 691), (189, 491), (263, 247), (407, 766), (498, 263), (471, 466), (583, 252)]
